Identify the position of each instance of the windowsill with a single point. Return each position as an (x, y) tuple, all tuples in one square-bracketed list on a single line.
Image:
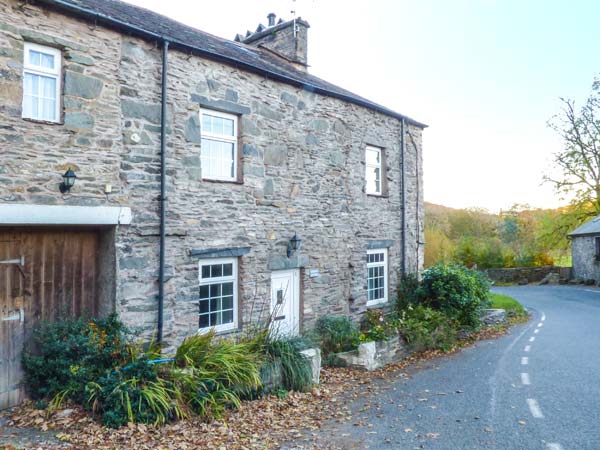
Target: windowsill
[(377, 303), (44, 122), (212, 180), (220, 330), (385, 195)]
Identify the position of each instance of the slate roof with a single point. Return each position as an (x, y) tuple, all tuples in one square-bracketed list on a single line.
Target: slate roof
[(591, 227), (147, 24)]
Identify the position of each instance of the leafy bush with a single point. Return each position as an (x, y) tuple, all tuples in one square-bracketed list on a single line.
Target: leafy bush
[(408, 291), (459, 292), (427, 329), (66, 355), (486, 253), (337, 334), (377, 326)]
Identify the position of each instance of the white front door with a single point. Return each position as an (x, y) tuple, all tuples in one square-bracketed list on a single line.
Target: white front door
[(285, 302)]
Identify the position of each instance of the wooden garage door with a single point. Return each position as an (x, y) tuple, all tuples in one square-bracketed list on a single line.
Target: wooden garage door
[(44, 275)]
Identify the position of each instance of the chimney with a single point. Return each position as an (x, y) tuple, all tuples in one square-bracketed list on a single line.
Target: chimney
[(286, 39)]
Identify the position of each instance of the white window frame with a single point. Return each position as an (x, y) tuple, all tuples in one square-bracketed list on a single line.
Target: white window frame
[(374, 166), (230, 278), (44, 72), (222, 138), (383, 264)]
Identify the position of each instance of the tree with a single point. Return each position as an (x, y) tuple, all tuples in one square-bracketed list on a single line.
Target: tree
[(579, 161), (438, 248)]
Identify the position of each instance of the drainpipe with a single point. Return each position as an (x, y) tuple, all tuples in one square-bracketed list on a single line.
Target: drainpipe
[(403, 192), (418, 229), (163, 198)]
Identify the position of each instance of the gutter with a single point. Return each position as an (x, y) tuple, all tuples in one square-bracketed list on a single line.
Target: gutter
[(132, 29), (163, 198)]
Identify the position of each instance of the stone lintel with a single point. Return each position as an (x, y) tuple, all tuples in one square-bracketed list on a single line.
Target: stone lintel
[(379, 243), (227, 252), (279, 262), (25, 214), (220, 105)]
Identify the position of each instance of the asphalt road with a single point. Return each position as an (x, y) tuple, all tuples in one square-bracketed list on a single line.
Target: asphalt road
[(490, 397)]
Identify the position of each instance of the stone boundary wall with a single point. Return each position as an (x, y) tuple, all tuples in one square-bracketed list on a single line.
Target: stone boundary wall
[(531, 274), (373, 355)]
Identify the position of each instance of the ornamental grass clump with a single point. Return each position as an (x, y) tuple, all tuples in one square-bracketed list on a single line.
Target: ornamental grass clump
[(337, 334), (295, 367), (212, 374), (139, 392)]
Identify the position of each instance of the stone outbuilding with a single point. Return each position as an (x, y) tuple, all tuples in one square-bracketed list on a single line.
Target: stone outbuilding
[(585, 250), (190, 182)]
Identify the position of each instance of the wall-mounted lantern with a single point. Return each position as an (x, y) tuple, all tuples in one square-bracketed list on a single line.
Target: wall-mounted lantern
[(293, 245), (68, 181)]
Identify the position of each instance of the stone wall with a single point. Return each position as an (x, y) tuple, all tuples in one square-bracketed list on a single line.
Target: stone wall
[(518, 274), (302, 163), (374, 355), (583, 251)]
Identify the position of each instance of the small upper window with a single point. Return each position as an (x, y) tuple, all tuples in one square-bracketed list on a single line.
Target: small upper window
[(41, 83), (219, 145), (373, 158), (218, 294), (597, 244), (377, 277)]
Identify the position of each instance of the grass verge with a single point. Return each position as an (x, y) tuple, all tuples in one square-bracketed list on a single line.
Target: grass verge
[(514, 310)]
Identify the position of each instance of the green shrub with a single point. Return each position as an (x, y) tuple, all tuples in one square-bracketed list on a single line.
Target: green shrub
[(408, 291), (377, 326), (337, 334), (66, 355), (427, 329), (459, 292)]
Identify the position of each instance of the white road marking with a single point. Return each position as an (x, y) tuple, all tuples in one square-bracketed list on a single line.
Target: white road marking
[(543, 317), (534, 408), (527, 348), (493, 381), (524, 360), (525, 379), (536, 331), (532, 338), (540, 325), (590, 290), (554, 446)]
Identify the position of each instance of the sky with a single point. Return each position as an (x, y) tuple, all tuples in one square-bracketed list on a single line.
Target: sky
[(485, 75)]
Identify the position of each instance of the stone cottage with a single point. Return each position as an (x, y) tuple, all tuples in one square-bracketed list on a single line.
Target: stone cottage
[(188, 181), (585, 250)]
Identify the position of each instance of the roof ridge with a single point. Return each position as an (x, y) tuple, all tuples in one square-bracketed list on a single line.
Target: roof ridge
[(148, 24)]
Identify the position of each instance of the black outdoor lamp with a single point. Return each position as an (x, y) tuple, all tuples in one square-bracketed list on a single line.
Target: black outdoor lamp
[(293, 245), (68, 181)]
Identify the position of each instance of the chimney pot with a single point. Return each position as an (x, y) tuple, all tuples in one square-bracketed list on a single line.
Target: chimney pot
[(271, 18)]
